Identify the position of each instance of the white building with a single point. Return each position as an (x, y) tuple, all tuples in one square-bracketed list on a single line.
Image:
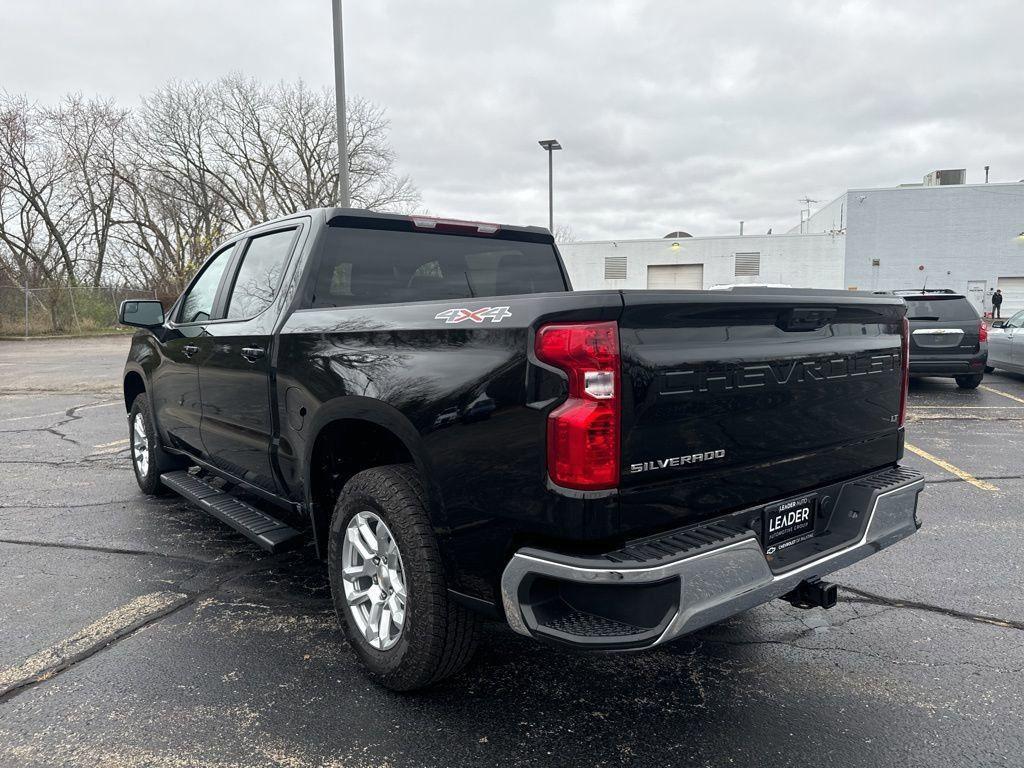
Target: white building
[(968, 237), (799, 260)]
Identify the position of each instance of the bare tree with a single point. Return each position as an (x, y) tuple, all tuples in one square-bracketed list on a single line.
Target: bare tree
[(564, 234), (91, 193), (174, 203), (41, 220), (90, 136), (278, 151)]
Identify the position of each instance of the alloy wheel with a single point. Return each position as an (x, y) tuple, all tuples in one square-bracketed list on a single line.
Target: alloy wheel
[(374, 580), (140, 445)]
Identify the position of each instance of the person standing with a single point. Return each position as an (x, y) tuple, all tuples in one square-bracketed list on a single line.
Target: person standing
[(997, 302)]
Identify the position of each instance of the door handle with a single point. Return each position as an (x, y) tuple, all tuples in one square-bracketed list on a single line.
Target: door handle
[(252, 354), (189, 349)]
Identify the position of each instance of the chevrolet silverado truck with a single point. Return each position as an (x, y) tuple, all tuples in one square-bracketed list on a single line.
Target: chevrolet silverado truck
[(461, 435)]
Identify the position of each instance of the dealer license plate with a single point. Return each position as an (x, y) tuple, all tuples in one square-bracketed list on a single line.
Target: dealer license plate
[(789, 522)]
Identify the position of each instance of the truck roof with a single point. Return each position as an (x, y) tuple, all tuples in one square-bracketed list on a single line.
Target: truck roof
[(330, 214)]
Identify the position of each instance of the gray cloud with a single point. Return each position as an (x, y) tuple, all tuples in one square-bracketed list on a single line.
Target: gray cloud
[(673, 115)]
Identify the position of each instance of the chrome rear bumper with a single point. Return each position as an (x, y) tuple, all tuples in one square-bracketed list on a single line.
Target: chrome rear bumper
[(607, 605)]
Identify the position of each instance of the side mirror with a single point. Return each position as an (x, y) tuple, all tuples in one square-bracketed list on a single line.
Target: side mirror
[(141, 313)]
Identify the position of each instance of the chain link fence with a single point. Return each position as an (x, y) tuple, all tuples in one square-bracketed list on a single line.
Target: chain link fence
[(61, 310)]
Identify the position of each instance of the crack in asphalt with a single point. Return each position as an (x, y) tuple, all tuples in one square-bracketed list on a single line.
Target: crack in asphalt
[(896, 602), (977, 477), (83, 505), (113, 551), (70, 414), (114, 638), (794, 643), (93, 460)]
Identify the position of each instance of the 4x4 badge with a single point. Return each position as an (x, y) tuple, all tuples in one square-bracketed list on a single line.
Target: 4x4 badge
[(460, 314)]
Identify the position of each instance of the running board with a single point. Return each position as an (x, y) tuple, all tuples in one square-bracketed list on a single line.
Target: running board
[(266, 531)]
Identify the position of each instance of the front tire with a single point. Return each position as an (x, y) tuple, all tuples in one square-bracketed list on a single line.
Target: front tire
[(149, 460), (969, 382), (388, 584), (989, 369)]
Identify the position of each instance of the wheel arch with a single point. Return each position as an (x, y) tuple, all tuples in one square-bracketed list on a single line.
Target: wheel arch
[(134, 384), (351, 434)]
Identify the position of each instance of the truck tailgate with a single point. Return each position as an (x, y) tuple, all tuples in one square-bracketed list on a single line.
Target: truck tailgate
[(741, 397)]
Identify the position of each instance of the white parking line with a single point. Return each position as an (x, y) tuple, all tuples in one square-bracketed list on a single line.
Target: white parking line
[(60, 413)]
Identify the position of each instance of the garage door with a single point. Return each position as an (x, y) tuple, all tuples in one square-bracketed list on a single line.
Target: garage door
[(1013, 294), (682, 276)]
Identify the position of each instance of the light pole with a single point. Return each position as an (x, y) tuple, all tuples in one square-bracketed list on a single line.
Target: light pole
[(551, 145), (339, 99)]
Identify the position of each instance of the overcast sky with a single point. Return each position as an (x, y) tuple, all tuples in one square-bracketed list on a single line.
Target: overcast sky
[(673, 115)]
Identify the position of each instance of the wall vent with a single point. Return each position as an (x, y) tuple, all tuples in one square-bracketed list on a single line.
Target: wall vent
[(614, 267), (748, 264)]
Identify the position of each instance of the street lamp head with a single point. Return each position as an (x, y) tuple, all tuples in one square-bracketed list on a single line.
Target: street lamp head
[(550, 144)]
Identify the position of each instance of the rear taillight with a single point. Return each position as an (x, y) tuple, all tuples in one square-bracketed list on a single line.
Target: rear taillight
[(904, 368), (583, 432), (983, 333)]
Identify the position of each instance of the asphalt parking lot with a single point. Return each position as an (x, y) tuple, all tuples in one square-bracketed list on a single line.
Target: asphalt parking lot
[(136, 632)]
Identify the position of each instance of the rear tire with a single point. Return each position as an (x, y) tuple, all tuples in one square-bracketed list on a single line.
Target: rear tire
[(437, 636), (149, 460), (989, 369), (969, 382)]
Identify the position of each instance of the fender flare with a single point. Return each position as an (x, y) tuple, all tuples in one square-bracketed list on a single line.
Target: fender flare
[(132, 367), (385, 416)]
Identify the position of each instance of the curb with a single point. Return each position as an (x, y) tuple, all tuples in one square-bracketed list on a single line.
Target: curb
[(115, 334)]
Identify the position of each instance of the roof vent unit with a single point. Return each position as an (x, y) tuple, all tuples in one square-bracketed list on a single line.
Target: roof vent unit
[(943, 178), (614, 267), (748, 264)]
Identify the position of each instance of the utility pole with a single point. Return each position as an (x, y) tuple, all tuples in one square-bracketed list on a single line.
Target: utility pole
[(986, 174), (551, 145), (339, 98)]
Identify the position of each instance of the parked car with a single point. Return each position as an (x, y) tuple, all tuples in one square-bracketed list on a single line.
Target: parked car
[(629, 466), (1006, 344), (947, 337)]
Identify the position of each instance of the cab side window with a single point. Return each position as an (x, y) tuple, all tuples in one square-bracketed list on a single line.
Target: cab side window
[(259, 276), (197, 306)]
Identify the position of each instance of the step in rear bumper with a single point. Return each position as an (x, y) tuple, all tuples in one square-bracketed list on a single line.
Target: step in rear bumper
[(602, 604)]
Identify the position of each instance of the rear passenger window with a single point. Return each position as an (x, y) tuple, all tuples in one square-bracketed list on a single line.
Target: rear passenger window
[(372, 266), (259, 276)]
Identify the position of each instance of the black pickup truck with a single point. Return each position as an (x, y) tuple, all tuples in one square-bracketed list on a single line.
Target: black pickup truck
[(462, 435)]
